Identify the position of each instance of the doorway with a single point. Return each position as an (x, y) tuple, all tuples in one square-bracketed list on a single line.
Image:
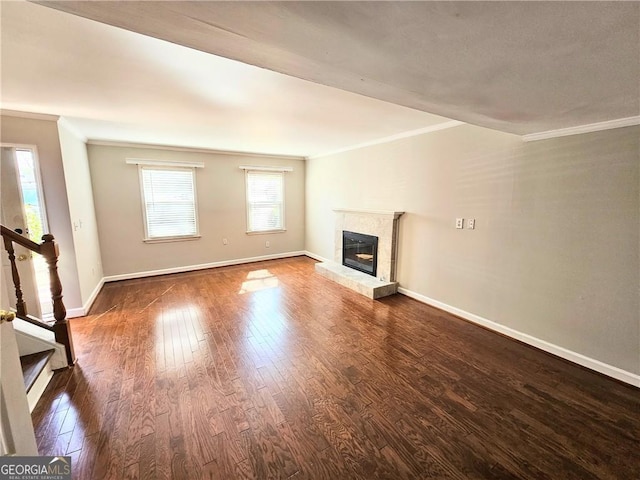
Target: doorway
[(23, 210)]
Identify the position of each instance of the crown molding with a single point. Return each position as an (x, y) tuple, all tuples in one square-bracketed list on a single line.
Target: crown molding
[(63, 122), (109, 143), (30, 115), (391, 138), (592, 127)]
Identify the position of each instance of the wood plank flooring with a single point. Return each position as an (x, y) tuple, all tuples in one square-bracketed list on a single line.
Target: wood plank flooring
[(269, 371)]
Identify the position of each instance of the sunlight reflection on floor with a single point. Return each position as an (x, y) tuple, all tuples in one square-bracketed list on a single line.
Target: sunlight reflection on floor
[(258, 280)]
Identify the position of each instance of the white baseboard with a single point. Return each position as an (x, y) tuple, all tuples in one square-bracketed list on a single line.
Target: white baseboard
[(92, 298), (316, 257), (597, 365), (75, 312), (202, 266), (84, 310)]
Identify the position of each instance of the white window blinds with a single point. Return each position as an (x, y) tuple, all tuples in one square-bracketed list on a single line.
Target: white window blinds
[(265, 201), (169, 202)]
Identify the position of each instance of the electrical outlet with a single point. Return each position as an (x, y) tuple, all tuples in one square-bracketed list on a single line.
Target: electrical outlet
[(459, 222), (225, 241), (267, 244), (471, 223)]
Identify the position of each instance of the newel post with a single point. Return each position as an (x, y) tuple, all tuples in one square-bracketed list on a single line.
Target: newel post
[(62, 329)]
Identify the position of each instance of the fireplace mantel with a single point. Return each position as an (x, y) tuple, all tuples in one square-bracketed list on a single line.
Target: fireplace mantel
[(395, 215)]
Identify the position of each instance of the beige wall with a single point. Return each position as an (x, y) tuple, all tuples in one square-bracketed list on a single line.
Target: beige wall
[(555, 252), (44, 135), (81, 211), (221, 210)]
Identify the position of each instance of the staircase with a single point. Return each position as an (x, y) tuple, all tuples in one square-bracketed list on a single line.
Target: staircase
[(49, 250), (40, 356), (36, 371), (16, 429), (31, 351)]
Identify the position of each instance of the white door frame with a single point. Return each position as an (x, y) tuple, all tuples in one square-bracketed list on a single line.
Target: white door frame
[(29, 285)]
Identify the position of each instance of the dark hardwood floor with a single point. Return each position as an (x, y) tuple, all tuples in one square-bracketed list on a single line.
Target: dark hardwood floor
[(268, 371)]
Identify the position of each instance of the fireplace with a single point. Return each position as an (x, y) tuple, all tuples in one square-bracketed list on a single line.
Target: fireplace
[(372, 273), (360, 251)]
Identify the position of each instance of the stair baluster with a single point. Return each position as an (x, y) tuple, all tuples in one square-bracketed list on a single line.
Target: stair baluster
[(21, 306)]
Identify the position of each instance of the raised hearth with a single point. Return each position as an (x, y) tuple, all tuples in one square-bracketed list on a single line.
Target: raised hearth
[(358, 281)]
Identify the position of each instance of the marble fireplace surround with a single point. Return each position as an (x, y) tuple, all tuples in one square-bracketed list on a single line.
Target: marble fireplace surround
[(382, 224)]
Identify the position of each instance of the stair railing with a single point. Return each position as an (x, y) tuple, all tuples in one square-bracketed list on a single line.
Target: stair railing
[(49, 250)]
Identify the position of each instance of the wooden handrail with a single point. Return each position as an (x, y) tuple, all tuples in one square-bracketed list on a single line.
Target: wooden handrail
[(19, 239), (37, 322), (49, 250)]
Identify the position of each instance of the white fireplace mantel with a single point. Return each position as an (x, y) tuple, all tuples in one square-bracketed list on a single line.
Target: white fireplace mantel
[(395, 215)]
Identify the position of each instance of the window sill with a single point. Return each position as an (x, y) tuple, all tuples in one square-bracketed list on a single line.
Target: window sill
[(266, 232), (172, 239)]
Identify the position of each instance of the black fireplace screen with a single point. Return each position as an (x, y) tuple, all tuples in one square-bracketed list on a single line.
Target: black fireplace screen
[(360, 252)]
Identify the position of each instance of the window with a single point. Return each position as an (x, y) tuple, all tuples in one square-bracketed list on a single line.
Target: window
[(265, 201), (169, 202)]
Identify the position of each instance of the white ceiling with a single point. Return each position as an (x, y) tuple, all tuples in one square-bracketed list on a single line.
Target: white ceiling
[(519, 67), (112, 84)]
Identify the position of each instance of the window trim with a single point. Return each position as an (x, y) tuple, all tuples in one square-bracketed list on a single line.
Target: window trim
[(167, 166), (162, 163), (269, 170)]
